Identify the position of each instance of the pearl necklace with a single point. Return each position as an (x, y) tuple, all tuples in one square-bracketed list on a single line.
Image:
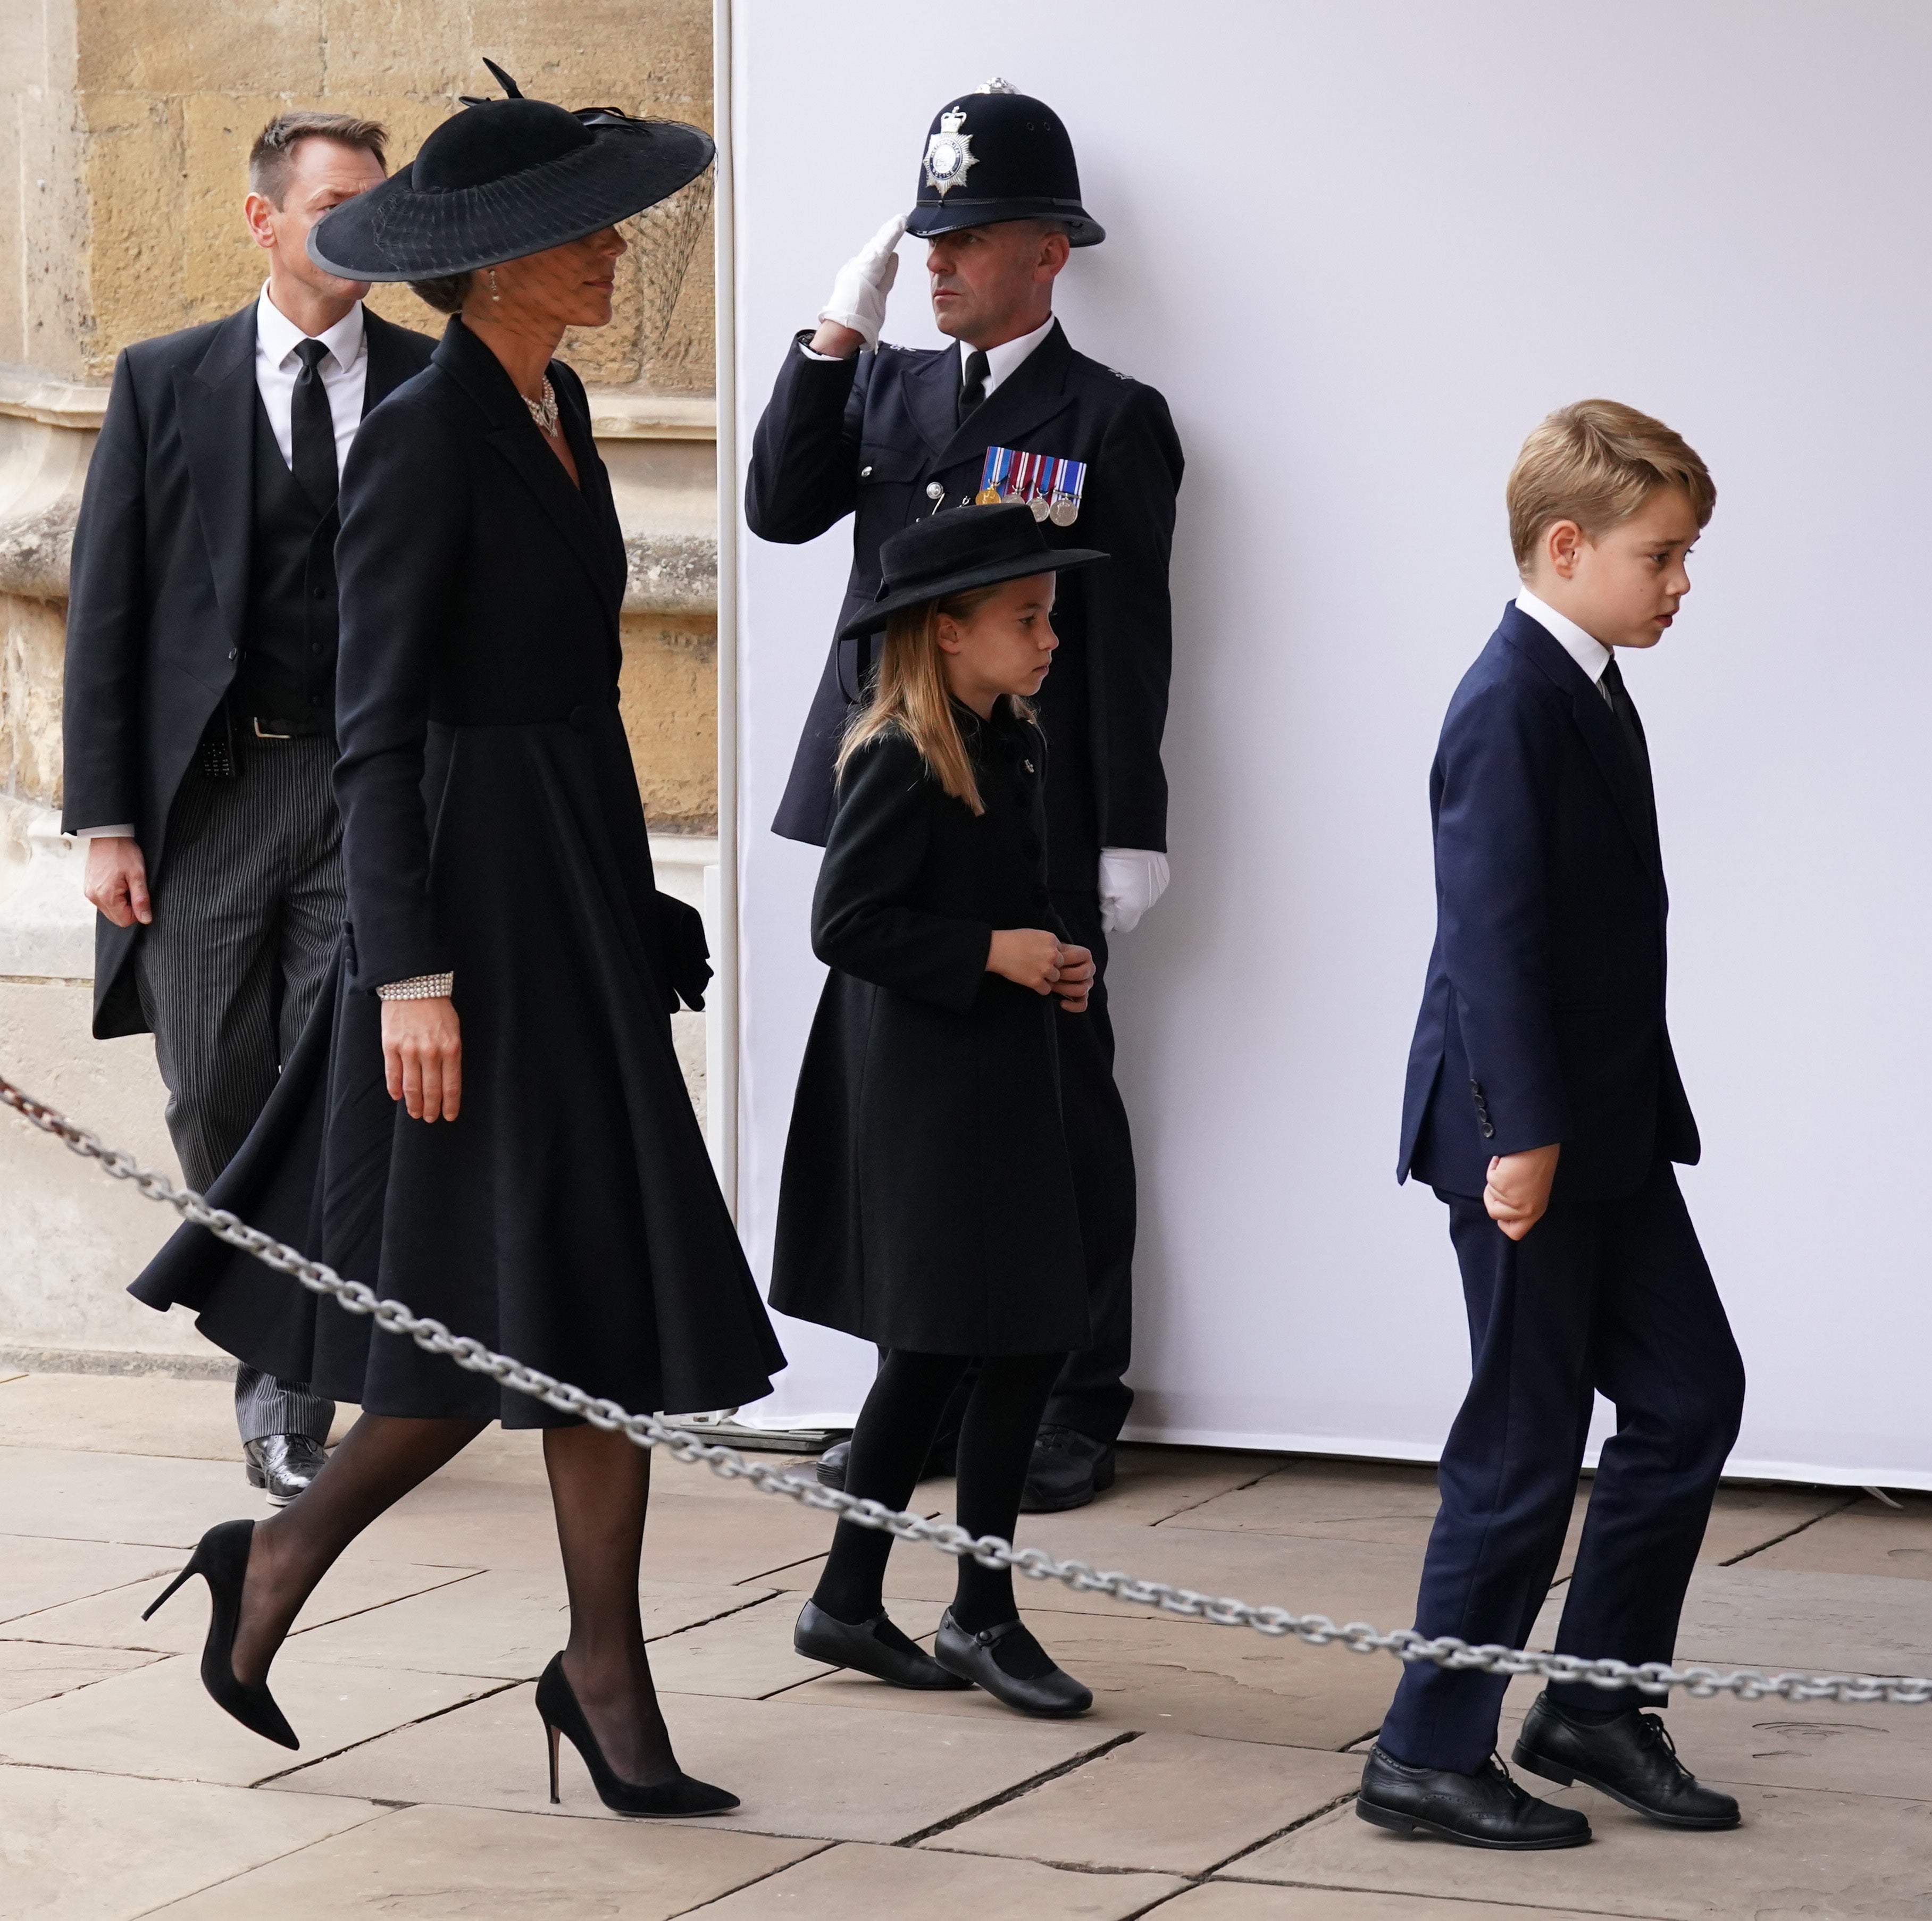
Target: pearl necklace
[(544, 411)]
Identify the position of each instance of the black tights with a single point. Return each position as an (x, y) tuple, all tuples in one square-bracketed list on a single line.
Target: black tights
[(895, 1427)]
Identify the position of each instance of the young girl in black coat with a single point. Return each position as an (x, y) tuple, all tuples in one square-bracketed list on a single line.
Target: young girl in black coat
[(927, 1203)]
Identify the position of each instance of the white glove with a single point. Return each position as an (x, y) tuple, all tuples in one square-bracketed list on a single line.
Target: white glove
[(1131, 880), (858, 297)]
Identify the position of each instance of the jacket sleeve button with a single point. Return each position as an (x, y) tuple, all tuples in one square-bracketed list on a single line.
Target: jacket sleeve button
[(865, 473)]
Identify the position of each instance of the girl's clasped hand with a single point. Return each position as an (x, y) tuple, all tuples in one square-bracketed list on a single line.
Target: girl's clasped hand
[(1032, 957)]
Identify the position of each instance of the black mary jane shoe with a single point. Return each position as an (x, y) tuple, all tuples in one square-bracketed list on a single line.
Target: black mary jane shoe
[(1485, 1809), (1632, 1759), (975, 1658), (220, 1557), (677, 1798), (822, 1636)]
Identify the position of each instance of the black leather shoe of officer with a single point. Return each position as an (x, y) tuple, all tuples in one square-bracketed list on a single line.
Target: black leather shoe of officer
[(1485, 1809), (1631, 1759), (874, 1647), (1011, 1666), (283, 1464), (1068, 1469), (941, 1462)]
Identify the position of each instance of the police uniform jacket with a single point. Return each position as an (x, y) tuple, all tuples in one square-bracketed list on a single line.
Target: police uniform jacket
[(927, 1200), (870, 436)]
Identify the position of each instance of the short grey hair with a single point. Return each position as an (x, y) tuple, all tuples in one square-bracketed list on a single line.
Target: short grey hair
[(271, 160)]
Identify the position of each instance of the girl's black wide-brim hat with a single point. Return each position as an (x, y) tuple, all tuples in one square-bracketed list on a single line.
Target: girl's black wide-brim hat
[(506, 178), (968, 546)]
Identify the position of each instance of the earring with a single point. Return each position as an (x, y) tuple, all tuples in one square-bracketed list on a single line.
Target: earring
[(494, 294)]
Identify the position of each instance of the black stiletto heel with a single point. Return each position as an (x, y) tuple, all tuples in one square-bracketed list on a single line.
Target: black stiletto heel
[(681, 1795), (220, 1557)]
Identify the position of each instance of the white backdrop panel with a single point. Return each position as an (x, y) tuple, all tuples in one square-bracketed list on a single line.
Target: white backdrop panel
[(1362, 248)]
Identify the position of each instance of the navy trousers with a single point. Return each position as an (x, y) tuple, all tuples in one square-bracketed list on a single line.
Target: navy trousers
[(1612, 1296)]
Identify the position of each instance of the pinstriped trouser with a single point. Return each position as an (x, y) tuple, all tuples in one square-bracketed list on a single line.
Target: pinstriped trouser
[(248, 910)]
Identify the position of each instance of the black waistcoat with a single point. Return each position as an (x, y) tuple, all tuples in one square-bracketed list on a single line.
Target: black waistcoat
[(287, 671)]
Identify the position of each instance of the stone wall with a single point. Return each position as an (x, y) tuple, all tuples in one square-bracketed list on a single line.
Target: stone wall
[(125, 127)]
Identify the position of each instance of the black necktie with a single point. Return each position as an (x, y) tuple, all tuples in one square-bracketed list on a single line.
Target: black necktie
[(1618, 695), (312, 430), (973, 391)]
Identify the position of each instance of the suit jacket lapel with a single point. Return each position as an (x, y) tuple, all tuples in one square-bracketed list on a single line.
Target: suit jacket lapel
[(1597, 725), (1020, 405), (932, 397), (216, 404), (389, 366)]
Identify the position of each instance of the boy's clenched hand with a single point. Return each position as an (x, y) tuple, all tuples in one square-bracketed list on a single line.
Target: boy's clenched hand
[(1517, 1194)]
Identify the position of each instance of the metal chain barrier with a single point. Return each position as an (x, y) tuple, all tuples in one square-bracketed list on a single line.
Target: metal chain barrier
[(648, 1430)]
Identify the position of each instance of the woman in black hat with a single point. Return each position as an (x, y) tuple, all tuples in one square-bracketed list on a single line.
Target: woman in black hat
[(487, 1120), (927, 1204)]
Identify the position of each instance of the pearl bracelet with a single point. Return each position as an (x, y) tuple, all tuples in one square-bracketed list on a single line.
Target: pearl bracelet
[(425, 986)]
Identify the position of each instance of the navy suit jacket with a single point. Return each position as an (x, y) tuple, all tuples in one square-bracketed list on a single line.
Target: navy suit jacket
[(871, 435), (1543, 1019)]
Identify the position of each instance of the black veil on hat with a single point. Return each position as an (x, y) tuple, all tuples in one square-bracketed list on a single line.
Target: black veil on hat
[(506, 178)]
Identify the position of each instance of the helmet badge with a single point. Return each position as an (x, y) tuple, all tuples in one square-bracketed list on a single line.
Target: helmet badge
[(949, 153)]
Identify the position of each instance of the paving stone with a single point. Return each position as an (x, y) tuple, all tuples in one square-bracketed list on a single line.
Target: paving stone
[(1154, 1674), (1753, 1617), (1744, 1519), (1350, 1500), (77, 1846), (37, 1573), (1801, 1853), (157, 1721), (506, 1622), (113, 1619), (32, 1670), (845, 1883), (1236, 1901), (1865, 1540), (839, 1774), (145, 1414), (1172, 1803), (447, 1861), (1152, 1484), (749, 1654), (69, 1494)]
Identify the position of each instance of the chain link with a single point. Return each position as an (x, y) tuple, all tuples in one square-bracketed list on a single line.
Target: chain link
[(648, 1430)]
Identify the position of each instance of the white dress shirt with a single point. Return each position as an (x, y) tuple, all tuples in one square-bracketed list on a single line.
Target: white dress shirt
[(1586, 649), (1004, 360), (345, 374)]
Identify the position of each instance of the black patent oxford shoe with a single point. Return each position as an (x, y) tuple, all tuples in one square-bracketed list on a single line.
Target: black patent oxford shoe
[(1485, 1809), (1632, 1759), (283, 1464), (887, 1656), (989, 1659), (939, 1463), (1068, 1469)]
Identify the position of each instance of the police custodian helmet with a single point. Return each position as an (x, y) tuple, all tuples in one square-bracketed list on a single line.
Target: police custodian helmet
[(995, 154)]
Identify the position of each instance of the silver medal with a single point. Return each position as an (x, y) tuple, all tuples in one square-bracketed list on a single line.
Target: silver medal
[(1040, 508), (1065, 510)]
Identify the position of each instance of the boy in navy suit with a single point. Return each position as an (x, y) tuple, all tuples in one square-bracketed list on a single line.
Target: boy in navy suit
[(1543, 1105)]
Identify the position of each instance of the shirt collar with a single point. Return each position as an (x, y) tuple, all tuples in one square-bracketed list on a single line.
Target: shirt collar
[(1004, 361), (278, 335), (1586, 649)]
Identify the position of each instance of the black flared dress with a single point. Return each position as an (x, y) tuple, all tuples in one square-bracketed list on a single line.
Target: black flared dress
[(492, 825), (927, 1201)]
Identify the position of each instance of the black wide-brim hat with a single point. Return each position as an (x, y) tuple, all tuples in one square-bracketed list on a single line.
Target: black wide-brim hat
[(999, 155), (966, 546), (506, 178)]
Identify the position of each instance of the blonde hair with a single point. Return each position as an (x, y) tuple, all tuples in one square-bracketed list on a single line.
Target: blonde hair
[(910, 695), (1596, 463)]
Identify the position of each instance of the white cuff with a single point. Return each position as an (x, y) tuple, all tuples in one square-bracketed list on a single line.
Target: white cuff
[(124, 831), (812, 353)]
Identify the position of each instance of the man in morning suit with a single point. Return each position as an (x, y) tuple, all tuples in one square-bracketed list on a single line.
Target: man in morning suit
[(1544, 1106), (891, 436), (200, 703)]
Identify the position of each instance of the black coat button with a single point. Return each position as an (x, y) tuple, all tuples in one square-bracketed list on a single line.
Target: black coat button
[(1489, 1132)]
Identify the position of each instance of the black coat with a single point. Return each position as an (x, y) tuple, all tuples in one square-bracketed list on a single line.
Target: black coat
[(1543, 1019), (159, 588), (927, 1200), (867, 436), (491, 824)]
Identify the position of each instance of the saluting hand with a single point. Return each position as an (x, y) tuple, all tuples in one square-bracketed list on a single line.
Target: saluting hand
[(856, 309), (422, 1057)]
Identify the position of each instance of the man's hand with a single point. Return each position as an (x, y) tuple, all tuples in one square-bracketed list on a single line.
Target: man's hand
[(1517, 1195), (115, 880), (422, 1057), (1131, 880), (1076, 978), (856, 309)]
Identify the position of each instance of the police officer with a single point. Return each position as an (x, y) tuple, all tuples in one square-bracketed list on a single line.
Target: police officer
[(1010, 411)]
